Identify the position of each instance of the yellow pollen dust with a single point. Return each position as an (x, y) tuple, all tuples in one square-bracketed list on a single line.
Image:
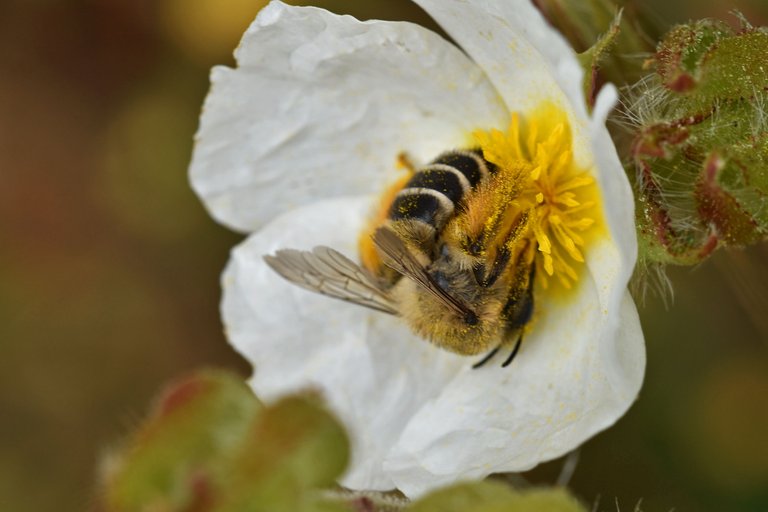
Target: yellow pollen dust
[(535, 158)]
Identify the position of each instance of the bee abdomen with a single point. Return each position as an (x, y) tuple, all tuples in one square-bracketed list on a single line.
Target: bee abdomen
[(442, 178), (470, 163), (422, 204), (434, 191)]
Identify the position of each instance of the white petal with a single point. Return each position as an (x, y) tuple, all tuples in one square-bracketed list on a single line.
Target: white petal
[(575, 375), (512, 419), (521, 53), (321, 105), (618, 200), (527, 60), (581, 366), (374, 373)]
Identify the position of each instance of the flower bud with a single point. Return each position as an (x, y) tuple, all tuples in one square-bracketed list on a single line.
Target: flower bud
[(700, 150)]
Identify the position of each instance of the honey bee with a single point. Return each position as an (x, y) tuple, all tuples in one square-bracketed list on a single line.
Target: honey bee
[(452, 255)]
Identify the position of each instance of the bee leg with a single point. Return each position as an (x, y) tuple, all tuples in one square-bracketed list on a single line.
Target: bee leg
[(486, 358), (504, 254), (514, 352), (404, 162), (499, 264)]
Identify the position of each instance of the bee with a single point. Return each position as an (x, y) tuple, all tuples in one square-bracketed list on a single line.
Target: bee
[(453, 255)]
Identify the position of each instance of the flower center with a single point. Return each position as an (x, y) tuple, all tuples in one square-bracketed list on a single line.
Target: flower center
[(535, 159)]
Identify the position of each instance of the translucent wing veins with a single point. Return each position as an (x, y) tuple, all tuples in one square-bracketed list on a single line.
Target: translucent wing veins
[(330, 273), (402, 261)]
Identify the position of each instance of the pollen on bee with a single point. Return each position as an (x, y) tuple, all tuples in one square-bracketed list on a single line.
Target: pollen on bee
[(516, 194)]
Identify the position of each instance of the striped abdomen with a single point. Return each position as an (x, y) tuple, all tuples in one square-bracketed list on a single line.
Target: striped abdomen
[(434, 191)]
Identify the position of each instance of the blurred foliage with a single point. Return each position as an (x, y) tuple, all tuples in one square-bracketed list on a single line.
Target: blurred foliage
[(109, 266), (209, 445), (171, 462), (496, 497)]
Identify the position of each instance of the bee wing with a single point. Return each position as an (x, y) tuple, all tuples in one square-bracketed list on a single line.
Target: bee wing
[(330, 273), (400, 259)]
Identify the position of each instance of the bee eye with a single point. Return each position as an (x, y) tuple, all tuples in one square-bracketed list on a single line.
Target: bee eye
[(473, 245), (442, 280)]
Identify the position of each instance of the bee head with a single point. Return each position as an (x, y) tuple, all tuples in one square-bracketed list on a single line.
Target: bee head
[(454, 314), (441, 300)]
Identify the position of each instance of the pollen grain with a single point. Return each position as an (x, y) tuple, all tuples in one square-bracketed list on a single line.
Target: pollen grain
[(538, 172)]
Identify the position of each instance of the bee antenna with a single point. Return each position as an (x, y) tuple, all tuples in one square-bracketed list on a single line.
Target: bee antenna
[(486, 358), (514, 352)]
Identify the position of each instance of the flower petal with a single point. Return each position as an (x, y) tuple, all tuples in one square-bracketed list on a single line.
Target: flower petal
[(321, 105), (374, 373), (528, 62), (618, 204), (307, 110), (526, 59), (511, 419), (577, 372)]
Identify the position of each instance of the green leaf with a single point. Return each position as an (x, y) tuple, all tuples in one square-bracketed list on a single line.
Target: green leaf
[(681, 52), (584, 22), (733, 69), (592, 59), (177, 457), (209, 445), (496, 497), (293, 446)]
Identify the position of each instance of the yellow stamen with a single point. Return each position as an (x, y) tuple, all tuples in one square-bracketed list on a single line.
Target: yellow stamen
[(536, 158)]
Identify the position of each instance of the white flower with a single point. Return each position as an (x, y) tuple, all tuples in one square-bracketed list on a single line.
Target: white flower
[(294, 147)]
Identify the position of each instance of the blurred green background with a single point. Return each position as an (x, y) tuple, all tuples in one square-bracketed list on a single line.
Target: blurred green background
[(109, 267)]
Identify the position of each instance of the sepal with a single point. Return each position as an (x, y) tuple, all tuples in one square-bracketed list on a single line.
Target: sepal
[(700, 150)]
